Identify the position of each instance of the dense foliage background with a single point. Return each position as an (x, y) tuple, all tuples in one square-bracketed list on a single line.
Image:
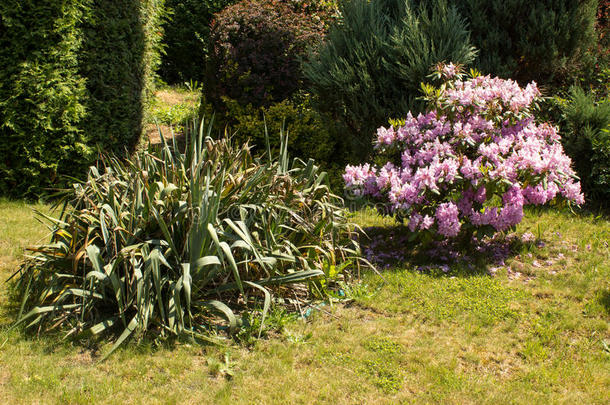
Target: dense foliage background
[(76, 76), (542, 40), (186, 38)]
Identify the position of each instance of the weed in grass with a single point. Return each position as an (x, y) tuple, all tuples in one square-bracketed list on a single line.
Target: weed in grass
[(252, 327), (330, 356), (599, 304), (382, 345), (383, 375), (222, 368), (298, 338), (445, 378)]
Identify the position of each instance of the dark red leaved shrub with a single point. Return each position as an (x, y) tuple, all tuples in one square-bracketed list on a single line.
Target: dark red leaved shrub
[(256, 49)]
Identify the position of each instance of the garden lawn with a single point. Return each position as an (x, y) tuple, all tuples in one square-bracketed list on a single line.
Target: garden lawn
[(170, 109), (536, 332)]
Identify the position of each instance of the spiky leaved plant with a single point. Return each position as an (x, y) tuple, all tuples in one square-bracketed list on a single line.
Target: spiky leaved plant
[(167, 241)]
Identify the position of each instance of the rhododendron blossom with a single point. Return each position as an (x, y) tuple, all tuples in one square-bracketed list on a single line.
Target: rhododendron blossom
[(472, 162)]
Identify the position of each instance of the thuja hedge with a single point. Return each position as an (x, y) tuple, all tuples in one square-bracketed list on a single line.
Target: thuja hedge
[(74, 79), (41, 93), (120, 57)]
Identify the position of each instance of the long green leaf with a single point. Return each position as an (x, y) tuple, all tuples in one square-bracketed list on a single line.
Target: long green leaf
[(42, 310), (222, 308), (126, 333), (291, 278), (154, 263), (266, 304), (229, 255)]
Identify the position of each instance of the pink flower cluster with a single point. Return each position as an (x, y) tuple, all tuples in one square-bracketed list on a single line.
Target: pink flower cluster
[(478, 158), (483, 93)]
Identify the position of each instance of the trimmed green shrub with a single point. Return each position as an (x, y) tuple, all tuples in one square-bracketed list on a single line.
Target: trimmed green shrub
[(186, 37), (530, 40), (372, 63), (585, 129), (120, 56), (74, 79), (179, 244), (256, 46), (41, 94), (308, 134)]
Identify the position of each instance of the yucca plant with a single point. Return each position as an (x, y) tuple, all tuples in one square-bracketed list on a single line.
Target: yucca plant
[(167, 242)]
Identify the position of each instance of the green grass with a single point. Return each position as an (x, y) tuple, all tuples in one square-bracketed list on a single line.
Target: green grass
[(535, 337), (174, 106)]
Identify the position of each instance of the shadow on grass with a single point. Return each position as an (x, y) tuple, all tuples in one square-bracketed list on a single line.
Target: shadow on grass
[(598, 212), (604, 300), (49, 338), (61, 340), (391, 247)]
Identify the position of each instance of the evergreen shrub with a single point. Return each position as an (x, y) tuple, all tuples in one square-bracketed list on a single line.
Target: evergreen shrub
[(539, 40), (41, 94), (585, 128), (372, 62), (74, 79)]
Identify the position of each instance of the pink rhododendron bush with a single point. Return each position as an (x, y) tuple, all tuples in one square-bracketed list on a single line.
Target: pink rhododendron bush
[(469, 165)]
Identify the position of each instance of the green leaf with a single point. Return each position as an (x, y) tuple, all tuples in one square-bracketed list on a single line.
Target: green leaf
[(223, 309), (126, 333), (204, 262), (98, 328), (266, 304), (229, 255)]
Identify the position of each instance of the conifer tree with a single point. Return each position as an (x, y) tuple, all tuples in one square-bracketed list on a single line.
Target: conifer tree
[(372, 63)]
